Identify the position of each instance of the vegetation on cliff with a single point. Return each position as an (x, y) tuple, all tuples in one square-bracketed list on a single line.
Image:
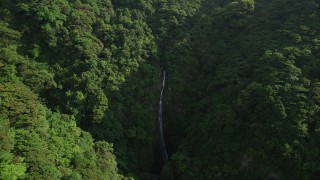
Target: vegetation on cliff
[(80, 82)]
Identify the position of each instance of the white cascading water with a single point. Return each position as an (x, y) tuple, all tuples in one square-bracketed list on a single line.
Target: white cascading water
[(161, 136)]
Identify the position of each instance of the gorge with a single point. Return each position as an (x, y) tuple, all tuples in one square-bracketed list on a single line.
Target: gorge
[(236, 96)]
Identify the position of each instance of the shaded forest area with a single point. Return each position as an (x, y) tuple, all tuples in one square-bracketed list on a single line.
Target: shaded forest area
[(80, 82)]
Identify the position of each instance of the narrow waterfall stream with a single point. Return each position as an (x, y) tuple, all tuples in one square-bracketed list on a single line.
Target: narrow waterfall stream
[(160, 126)]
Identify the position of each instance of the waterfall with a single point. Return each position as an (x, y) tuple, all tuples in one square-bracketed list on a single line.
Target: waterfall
[(161, 136)]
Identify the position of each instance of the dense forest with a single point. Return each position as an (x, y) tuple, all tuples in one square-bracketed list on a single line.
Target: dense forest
[(80, 82)]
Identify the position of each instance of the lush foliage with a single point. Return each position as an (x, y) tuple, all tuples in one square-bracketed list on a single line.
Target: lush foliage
[(243, 91), (79, 85)]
